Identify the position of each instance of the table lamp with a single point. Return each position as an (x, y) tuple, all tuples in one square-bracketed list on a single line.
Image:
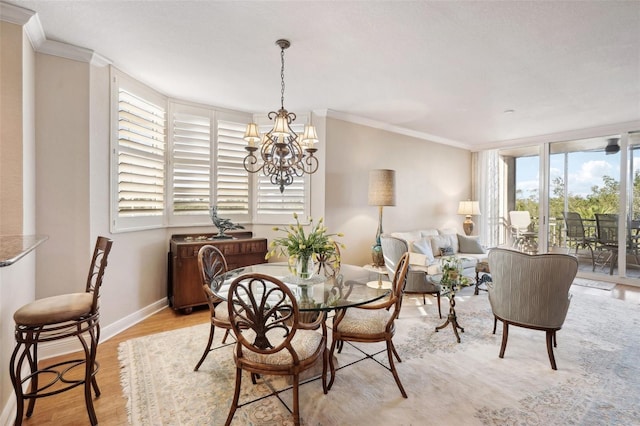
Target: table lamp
[(382, 192), (468, 208)]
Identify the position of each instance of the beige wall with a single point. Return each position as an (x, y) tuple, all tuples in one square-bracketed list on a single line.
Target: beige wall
[(17, 188), (11, 128), (430, 181)]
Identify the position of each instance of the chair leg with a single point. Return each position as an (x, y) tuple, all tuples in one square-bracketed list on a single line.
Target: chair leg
[(495, 323), (296, 405), (393, 348), (208, 348), (226, 334), (390, 351), (552, 359), (439, 308), (325, 362), (333, 368), (236, 396), (505, 336)]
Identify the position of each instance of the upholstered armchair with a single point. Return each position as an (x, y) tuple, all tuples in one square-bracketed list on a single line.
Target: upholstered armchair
[(392, 249), (530, 291)]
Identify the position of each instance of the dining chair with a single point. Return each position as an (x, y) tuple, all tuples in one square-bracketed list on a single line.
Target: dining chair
[(530, 291), (212, 264), (73, 315), (417, 283), (271, 339), (329, 264), (373, 323), (576, 234)]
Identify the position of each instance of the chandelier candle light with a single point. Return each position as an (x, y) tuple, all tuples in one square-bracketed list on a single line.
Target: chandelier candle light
[(382, 192), (283, 156), (468, 209)]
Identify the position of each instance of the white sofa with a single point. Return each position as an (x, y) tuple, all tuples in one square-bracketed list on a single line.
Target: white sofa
[(427, 246)]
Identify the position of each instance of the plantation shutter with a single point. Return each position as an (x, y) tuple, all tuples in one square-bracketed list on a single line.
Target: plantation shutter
[(273, 206), (191, 160), (232, 180), (141, 156)]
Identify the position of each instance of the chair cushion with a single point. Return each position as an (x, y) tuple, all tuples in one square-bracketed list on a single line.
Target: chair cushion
[(364, 321), (221, 312), (305, 343), (53, 310)]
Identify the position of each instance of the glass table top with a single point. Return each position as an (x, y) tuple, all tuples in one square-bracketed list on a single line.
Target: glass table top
[(320, 293)]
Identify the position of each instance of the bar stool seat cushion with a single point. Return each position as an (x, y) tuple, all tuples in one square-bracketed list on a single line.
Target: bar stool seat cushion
[(55, 309)]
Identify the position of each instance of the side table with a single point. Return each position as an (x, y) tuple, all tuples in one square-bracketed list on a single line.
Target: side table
[(481, 267), (380, 270)]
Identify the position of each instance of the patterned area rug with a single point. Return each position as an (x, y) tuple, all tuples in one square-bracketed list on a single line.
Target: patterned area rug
[(597, 381)]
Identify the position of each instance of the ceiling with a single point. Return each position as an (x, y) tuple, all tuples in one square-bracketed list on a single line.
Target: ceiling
[(448, 71)]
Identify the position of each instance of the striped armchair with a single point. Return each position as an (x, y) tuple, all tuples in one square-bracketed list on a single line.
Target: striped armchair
[(530, 291)]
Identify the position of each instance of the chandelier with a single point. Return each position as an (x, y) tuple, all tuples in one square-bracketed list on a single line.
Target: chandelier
[(284, 154)]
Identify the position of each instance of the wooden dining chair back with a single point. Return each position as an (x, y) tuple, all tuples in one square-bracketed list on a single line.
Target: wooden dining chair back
[(417, 283), (329, 263), (213, 265), (373, 323), (271, 339), (74, 315)]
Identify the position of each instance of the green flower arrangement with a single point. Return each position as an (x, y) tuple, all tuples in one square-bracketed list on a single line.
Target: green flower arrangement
[(452, 271), (297, 244)]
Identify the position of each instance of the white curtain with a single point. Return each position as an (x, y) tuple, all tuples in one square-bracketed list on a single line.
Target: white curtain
[(486, 187)]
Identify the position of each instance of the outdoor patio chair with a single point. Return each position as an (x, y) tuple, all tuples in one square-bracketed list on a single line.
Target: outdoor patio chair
[(576, 234)]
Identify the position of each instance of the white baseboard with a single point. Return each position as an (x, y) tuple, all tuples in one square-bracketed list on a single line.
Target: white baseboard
[(66, 346)]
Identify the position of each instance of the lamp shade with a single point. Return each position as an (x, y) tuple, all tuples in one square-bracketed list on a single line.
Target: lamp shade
[(382, 187), (469, 208)]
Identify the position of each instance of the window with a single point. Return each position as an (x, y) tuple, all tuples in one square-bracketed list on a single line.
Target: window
[(172, 160), (191, 137), (139, 154), (233, 189)]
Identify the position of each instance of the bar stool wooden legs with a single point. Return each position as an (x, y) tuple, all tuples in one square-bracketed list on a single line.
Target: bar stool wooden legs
[(55, 318)]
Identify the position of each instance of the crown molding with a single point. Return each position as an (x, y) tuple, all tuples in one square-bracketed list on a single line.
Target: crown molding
[(30, 21), (394, 129), (591, 132)]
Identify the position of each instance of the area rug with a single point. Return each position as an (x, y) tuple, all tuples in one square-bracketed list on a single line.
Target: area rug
[(601, 285), (449, 383)]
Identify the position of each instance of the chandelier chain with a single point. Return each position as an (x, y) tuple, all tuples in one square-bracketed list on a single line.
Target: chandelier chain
[(282, 77)]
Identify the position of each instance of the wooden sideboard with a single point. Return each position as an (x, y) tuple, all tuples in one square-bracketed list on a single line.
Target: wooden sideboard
[(184, 280)]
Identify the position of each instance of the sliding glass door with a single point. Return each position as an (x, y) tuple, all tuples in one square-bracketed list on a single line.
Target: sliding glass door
[(569, 188)]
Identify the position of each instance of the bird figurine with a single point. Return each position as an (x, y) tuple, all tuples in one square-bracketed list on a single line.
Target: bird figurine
[(223, 225)]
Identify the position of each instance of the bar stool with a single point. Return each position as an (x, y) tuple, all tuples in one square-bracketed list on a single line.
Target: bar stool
[(55, 318)]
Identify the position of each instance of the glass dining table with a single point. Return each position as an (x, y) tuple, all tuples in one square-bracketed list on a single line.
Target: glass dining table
[(319, 293)]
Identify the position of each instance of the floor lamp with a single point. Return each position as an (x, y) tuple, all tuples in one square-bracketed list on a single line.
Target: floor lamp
[(382, 192)]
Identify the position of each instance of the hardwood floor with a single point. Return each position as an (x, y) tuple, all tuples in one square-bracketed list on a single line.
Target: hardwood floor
[(68, 408)]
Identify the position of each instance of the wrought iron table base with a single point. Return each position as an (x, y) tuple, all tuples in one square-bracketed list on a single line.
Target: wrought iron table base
[(451, 318)]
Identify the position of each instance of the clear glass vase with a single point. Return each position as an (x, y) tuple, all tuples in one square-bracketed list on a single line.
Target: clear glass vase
[(304, 266)]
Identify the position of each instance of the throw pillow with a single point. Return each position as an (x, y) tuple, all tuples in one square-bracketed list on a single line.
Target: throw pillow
[(439, 242), (423, 246), (446, 251), (469, 245)]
